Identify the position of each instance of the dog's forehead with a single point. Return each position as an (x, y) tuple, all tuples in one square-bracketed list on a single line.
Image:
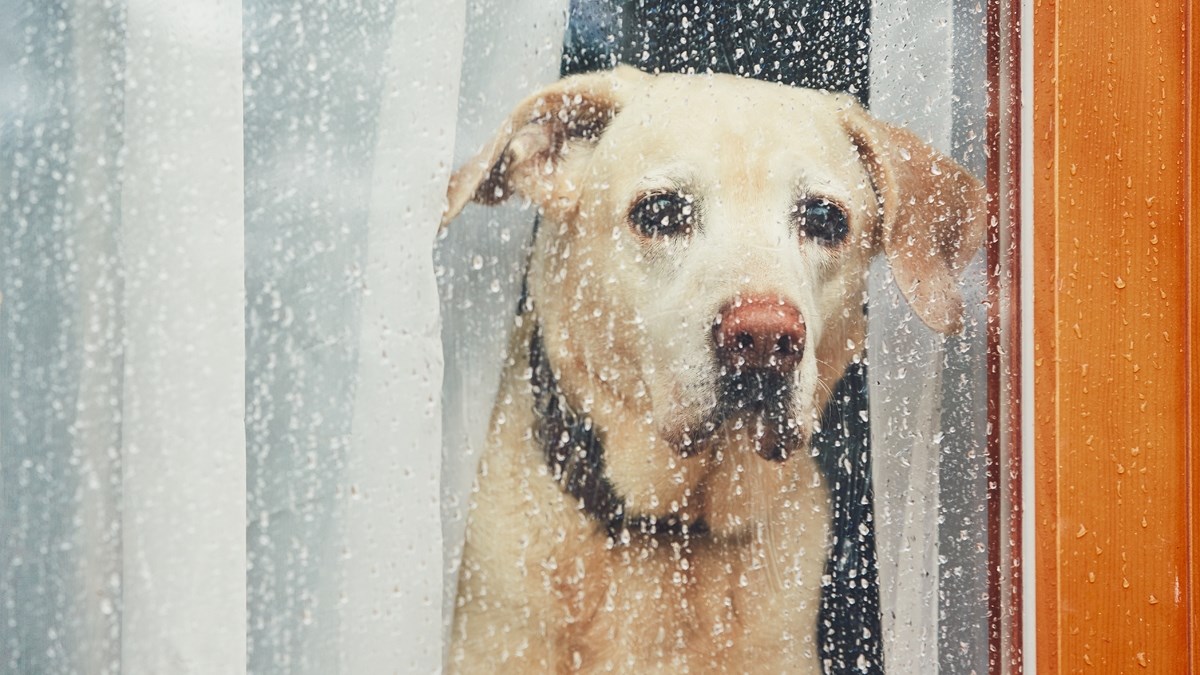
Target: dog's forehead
[(722, 128)]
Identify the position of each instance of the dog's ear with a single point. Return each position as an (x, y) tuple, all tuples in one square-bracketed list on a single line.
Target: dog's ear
[(526, 151), (933, 216)]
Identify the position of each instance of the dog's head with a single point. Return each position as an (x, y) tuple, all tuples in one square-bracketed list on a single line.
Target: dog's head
[(699, 272)]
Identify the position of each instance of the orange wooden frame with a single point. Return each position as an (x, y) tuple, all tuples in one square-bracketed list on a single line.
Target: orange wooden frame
[(1116, 335), (1192, 73)]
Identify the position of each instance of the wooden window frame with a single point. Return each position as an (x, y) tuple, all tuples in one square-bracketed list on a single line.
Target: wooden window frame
[(1115, 180)]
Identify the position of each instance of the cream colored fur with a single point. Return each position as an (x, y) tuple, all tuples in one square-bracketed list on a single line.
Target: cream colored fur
[(627, 325)]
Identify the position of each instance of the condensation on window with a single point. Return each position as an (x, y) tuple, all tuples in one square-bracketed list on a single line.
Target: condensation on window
[(573, 336)]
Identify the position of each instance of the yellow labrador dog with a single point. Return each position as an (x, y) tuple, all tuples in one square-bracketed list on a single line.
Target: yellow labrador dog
[(647, 501)]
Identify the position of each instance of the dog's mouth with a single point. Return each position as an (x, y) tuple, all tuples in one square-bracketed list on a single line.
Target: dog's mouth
[(753, 406)]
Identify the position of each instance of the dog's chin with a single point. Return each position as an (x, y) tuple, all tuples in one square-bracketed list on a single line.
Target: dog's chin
[(739, 477), (750, 477), (695, 435), (773, 437), (751, 412), (743, 442)]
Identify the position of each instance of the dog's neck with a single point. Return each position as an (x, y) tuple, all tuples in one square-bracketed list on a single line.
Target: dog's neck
[(572, 447)]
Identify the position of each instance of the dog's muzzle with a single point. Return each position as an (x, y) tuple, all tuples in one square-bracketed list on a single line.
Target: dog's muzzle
[(758, 342)]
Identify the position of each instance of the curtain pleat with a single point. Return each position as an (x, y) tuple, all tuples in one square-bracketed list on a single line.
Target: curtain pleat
[(182, 408), (391, 613)]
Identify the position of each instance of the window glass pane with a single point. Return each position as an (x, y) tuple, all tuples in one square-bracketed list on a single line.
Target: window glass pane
[(577, 335)]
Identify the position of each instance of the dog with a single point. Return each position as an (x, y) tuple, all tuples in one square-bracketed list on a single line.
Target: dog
[(648, 501)]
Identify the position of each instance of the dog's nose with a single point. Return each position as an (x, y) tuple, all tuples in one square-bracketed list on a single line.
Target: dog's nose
[(759, 332)]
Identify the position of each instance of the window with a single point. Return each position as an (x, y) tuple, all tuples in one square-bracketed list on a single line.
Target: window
[(720, 357)]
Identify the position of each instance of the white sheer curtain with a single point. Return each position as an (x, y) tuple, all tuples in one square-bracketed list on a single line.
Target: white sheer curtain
[(122, 446), (220, 363), (393, 570), (183, 445)]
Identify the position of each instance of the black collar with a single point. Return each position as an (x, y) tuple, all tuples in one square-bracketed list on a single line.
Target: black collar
[(575, 457)]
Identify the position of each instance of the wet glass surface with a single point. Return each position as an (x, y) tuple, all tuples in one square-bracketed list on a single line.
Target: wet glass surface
[(239, 360)]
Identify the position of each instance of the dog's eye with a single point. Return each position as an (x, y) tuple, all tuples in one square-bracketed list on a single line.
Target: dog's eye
[(663, 214), (823, 221)]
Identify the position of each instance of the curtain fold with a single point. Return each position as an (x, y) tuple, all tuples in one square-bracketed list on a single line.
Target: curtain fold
[(99, 63), (44, 475), (183, 485), (314, 78), (391, 613)]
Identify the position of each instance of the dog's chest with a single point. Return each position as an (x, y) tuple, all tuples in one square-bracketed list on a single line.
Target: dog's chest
[(559, 597), (544, 590), (683, 608)]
